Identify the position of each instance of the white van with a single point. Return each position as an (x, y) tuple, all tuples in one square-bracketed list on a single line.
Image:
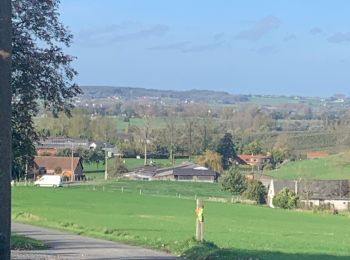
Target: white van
[(49, 181)]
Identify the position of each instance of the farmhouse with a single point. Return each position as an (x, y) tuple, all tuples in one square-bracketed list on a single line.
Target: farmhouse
[(50, 146), (187, 172), (184, 172), (62, 143), (332, 193), (144, 173), (254, 160), (110, 149), (52, 165)]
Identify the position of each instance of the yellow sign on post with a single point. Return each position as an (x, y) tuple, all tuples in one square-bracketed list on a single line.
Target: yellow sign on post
[(200, 220), (199, 212)]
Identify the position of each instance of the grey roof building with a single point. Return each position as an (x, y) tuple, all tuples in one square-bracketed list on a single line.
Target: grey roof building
[(184, 172), (315, 192)]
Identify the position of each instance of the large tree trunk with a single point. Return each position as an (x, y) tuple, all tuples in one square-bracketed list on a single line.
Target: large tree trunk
[(5, 129)]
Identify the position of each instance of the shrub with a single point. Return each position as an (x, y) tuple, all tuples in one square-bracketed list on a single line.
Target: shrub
[(233, 181), (268, 167), (255, 191), (117, 168), (285, 199)]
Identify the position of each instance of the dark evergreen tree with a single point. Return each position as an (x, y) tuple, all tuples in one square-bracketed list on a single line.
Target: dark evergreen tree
[(226, 149)]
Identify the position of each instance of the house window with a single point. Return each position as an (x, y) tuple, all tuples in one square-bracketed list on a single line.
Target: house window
[(204, 177), (184, 178)]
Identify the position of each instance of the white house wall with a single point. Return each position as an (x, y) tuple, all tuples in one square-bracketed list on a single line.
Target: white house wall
[(337, 204)]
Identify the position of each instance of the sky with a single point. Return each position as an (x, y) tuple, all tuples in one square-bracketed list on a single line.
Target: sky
[(276, 47)]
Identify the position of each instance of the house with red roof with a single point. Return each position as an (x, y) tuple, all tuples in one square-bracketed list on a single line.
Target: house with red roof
[(255, 159), (56, 165)]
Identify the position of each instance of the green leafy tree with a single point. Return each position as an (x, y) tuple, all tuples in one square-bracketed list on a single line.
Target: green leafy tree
[(227, 150), (41, 71), (278, 155), (252, 148), (211, 160), (103, 128), (285, 199), (255, 191), (96, 156), (234, 181)]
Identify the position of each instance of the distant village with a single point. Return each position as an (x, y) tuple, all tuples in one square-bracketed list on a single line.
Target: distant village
[(333, 193)]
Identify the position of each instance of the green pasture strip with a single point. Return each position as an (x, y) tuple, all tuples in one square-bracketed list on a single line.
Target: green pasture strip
[(19, 242), (156, 122), (335, 167), (236, 231), (162, 188), (93, 167)]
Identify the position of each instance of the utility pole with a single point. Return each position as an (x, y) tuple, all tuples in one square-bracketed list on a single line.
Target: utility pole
[(72, 164), (106, 162), (5, 129), (26, 171)]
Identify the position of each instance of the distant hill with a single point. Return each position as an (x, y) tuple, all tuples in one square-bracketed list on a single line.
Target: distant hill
[(196, 95), (335, 167)]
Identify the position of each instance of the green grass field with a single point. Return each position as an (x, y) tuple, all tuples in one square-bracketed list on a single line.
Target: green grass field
[(334, 167), (157, 122), (237, 231)]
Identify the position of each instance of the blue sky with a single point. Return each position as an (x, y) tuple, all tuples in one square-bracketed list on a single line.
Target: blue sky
[(293, 47)]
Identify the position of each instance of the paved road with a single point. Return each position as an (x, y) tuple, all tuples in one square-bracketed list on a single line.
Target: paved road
[(68, 246)]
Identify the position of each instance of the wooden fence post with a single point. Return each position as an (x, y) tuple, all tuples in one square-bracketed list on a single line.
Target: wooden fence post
[(200, 220)]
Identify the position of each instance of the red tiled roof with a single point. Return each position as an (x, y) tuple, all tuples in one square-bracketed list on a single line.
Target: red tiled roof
[(317, 154), (52, 162), (247, 157)]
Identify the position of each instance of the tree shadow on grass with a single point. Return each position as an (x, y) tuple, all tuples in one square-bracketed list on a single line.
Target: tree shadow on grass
[(210, 251)]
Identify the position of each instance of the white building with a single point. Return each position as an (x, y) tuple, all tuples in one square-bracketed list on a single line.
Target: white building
[(332, 193)]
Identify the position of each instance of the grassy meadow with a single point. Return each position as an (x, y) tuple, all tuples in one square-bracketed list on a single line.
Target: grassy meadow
[(334, 167), (232, 231)]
